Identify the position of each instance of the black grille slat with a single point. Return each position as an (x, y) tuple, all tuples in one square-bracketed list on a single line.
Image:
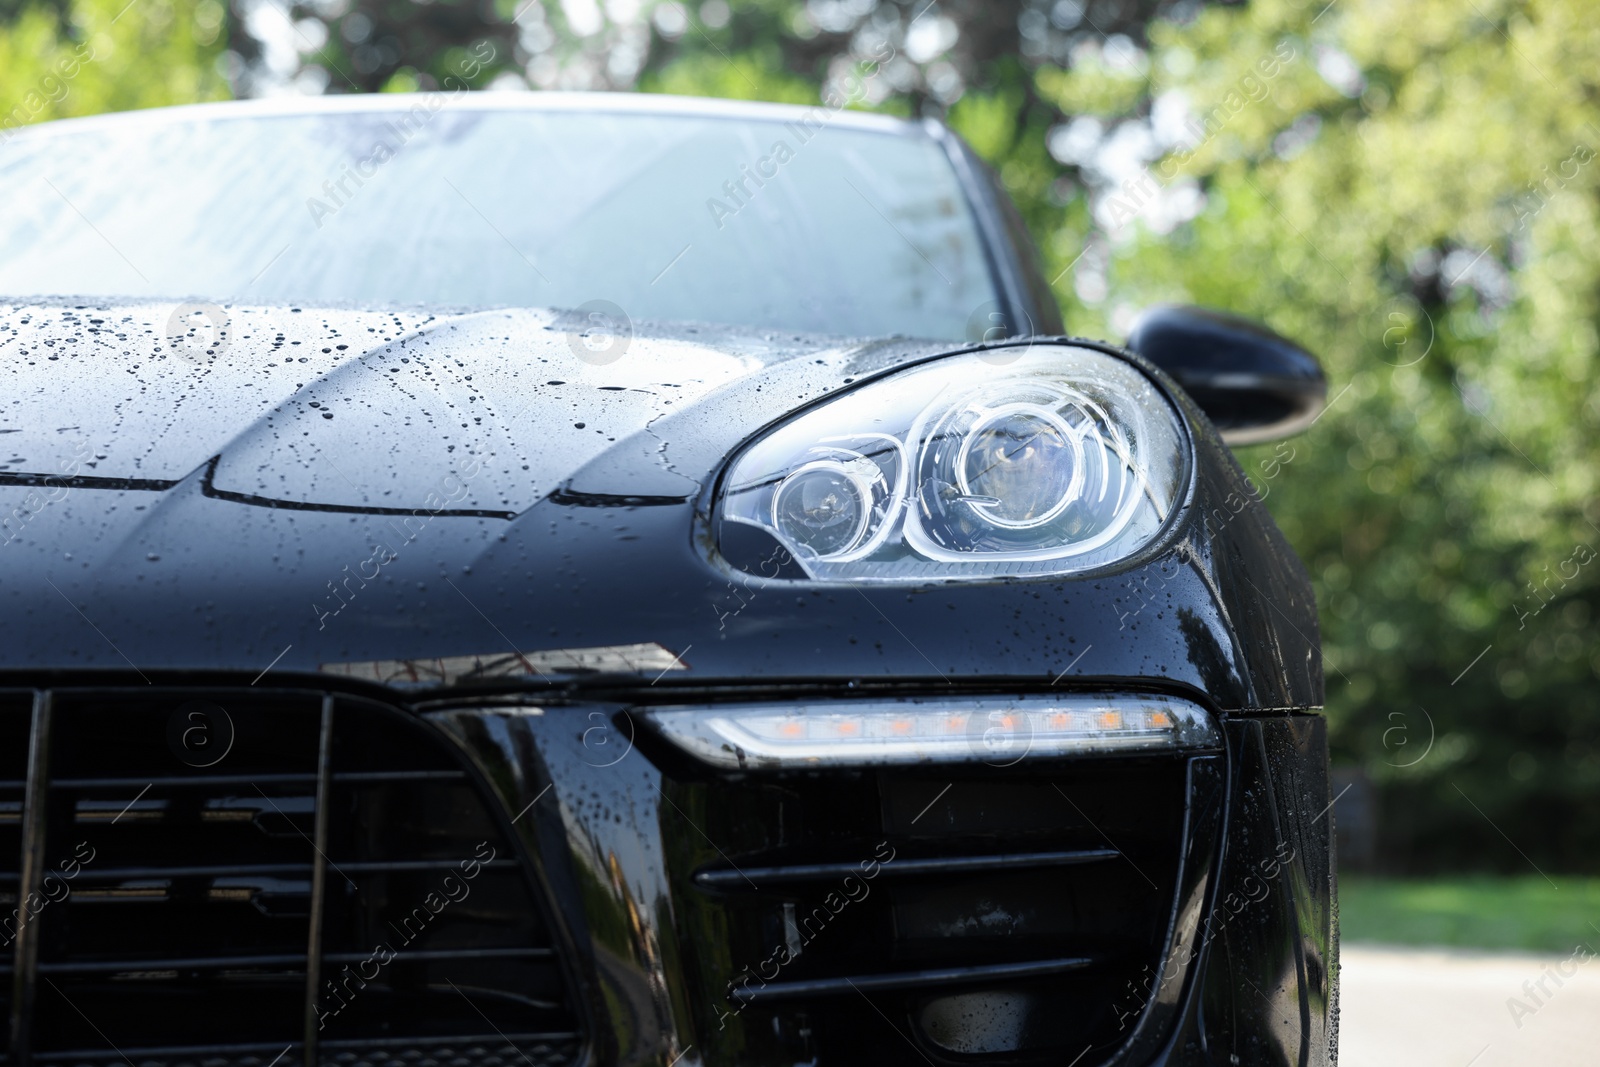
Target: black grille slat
[(981, 974), (234, 911), (940, 898), (30, 878), (555, 1049), (354, 867), (247, 780), (15, 723), (319, 878), (284, 960), (743, 878)]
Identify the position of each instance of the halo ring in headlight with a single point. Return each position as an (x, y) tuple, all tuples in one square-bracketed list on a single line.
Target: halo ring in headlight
[(822, 501), (1055, 468)]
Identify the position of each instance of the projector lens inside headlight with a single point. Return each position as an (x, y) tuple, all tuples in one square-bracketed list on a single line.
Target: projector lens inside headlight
[(820, 507), (1062, 461), (1020, 467), (990, 730)]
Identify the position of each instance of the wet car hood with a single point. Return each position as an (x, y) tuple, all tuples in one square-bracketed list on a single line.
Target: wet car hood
[(351, 409), (481, 497)]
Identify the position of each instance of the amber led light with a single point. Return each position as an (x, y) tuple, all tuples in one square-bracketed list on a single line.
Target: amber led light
[(988, 730)]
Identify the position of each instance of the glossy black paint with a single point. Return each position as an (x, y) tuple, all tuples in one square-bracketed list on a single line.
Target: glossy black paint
[(1247, 977), (1271, 989), (186, 579), (221, 553), (590, 818), (1253, 384)]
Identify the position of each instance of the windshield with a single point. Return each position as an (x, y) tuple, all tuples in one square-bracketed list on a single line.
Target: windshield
[(736, 220)]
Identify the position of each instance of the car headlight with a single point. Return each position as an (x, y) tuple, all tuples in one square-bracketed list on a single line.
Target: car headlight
[(1061, 461)]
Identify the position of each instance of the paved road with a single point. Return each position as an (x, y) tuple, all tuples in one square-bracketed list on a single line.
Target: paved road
[(1443, 1008)]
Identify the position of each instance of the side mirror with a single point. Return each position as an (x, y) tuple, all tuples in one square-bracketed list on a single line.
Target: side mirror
[(1254, 385)]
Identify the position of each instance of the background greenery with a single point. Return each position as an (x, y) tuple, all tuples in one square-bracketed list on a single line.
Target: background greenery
[(1518, 913), (1407, 186)]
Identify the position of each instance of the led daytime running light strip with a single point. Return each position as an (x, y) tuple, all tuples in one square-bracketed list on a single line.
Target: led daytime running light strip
[(988, 730)]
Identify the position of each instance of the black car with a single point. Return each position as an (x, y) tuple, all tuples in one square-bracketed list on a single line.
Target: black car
[(539, 579)]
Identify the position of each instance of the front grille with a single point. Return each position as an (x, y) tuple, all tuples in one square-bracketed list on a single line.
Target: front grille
[(236, 876), (1019, 919)]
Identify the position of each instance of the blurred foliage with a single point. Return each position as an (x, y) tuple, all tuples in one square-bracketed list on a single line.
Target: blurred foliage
[(1408, 187), (1525, 912), (90, 56), (1413, 194)]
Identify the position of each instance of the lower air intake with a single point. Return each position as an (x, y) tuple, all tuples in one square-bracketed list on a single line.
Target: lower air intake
[(948, 915), (233, 876)]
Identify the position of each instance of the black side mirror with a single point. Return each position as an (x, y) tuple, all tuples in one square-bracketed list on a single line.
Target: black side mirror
[(1255, 385)]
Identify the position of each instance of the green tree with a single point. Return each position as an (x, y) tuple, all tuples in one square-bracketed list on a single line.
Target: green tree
[(1413, 193), (92, 56)]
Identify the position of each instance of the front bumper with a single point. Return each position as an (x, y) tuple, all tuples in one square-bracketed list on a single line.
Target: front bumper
[(1150, 909), (633, 906)]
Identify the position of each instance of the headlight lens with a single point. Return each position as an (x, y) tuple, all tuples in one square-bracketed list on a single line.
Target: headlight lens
[(1061, 461)]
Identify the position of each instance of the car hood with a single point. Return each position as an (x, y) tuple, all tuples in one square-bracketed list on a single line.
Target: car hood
[(348, 409), (491, 496)]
